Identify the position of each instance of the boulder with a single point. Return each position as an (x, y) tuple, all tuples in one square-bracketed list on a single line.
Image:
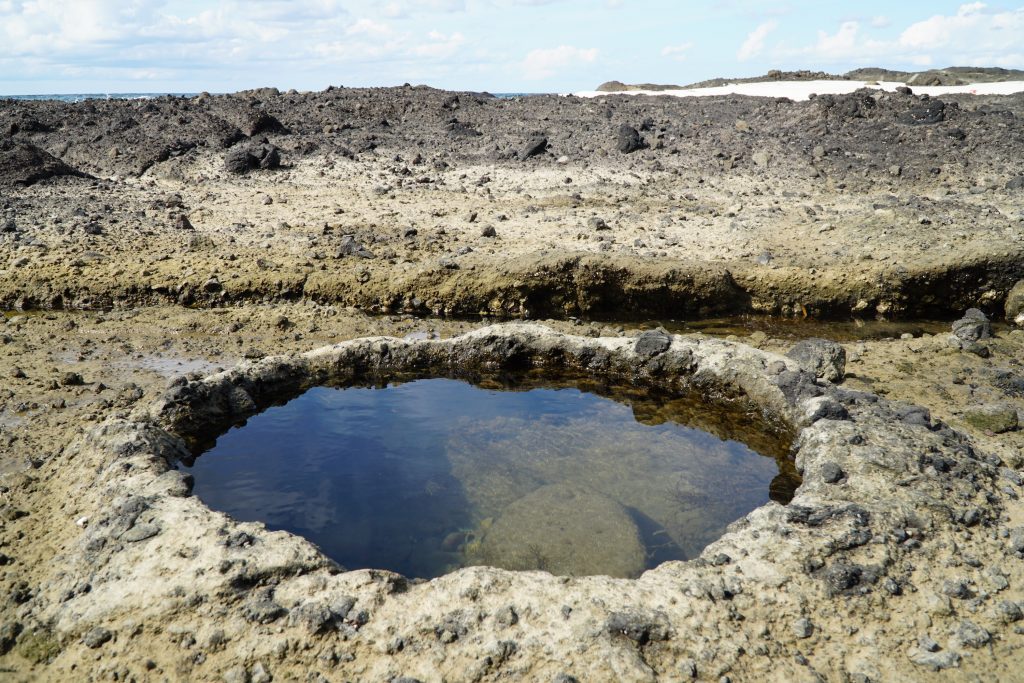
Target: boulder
[(566, 530), (538, 144), (992, 418), (628, 139), (823, 358), (973, 327), (241, 160)]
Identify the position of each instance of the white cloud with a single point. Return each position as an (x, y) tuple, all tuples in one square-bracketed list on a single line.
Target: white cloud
[(754, 44), (544, 63), (880, 22), (973, 36), (676, 52)]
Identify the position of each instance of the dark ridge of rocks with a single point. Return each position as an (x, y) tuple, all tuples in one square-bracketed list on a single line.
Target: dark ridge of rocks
[(22, 163), (855, 133)]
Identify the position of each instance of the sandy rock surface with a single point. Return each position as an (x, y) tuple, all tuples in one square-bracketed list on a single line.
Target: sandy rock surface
[(900, 555)]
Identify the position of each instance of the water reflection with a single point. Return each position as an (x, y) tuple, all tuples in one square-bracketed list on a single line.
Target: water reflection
[(427, 476)]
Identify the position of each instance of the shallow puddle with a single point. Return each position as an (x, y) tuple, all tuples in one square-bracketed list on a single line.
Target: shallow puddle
[(428, 476)]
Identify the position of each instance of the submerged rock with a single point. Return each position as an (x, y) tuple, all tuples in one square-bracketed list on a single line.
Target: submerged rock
[(565, 530)]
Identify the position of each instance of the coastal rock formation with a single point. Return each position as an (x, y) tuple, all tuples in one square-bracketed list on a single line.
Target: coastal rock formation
[(22, 163)]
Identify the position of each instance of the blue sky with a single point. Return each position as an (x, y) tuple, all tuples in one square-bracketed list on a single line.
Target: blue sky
[(64, 46)]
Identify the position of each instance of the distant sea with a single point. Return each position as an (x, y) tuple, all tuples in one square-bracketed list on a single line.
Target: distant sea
[(79, 97)]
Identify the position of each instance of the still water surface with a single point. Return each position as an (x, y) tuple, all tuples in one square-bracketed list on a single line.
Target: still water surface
[(428, 476)]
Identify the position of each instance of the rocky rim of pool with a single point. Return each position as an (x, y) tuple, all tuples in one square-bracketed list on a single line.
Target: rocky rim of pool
[(882, 484)]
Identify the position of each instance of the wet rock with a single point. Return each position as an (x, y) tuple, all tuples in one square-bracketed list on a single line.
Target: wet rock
[(96, 637), (652, 343), (628, 139), (241, 160), (1014, 307), (565, 529), (823, 358), (997, 419), (537, 145), (973, 327)]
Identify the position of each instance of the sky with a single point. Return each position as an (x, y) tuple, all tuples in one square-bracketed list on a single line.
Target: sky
[(87, 46)]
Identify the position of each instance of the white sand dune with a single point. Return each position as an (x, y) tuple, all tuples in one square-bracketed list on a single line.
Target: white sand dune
[(802, 90)]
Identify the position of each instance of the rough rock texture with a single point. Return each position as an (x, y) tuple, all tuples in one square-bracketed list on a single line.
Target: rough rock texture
[(917, 544), (822, 358), (22, 163), (864, 204)]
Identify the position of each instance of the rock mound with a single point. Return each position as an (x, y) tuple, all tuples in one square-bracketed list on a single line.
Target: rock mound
[(22, 163)]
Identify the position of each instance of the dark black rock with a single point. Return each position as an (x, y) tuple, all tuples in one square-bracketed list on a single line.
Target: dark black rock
[(261, 122), (8, 636), (929, 112), (653, 342), (72, 379), (538, 144), (629, 140), (241, 160), (840, 577), (641, 629), (22, 163)]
